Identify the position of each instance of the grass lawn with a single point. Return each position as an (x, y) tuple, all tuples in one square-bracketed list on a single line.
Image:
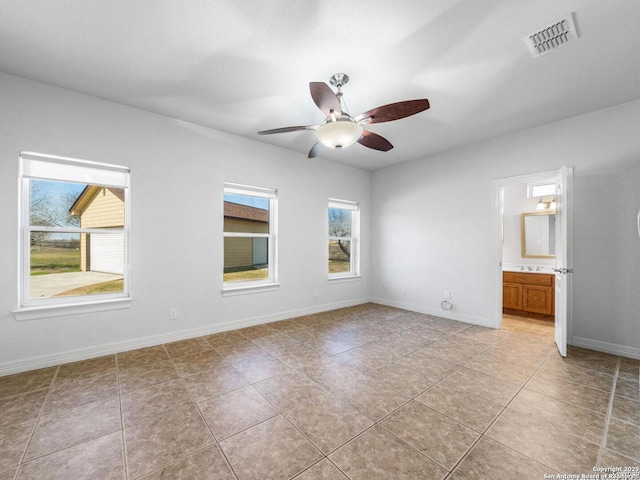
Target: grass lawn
[(338, 266), (114, 286), (246, 275), (48, 260)]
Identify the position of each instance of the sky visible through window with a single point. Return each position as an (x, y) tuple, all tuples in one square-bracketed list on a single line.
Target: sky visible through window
[(257, 202), (50, 202), (56, 189)]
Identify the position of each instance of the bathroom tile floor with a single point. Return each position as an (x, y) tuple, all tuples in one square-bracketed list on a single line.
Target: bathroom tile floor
[(366, 392)]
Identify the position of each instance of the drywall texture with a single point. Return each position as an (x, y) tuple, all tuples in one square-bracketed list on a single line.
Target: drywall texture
[(432, 226), (178, 170)]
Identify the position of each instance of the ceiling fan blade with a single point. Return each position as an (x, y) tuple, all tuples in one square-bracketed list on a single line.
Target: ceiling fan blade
[(325, 98), (316, 150), (375, 141), (393, 111), (288, 129)]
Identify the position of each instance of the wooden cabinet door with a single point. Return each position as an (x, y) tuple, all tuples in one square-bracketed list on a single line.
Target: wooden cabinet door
[(537, 299), (512, 295)]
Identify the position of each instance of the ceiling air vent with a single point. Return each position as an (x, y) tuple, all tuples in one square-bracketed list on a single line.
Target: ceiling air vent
[(552, 37)]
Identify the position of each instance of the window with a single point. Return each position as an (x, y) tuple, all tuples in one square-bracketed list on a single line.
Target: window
[(541, 189), (74, 227), (344, 226), (249, 238)]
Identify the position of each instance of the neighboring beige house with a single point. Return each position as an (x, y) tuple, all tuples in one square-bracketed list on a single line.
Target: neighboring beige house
[(245, 253), (101, 207)]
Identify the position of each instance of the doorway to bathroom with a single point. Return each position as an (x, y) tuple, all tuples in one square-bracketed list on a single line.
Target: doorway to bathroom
[(532, 249)]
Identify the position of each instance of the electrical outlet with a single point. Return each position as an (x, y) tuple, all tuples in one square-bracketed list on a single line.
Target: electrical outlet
[(173, 314), (447, 295), (385, 286), (316, 293), (404, 290)]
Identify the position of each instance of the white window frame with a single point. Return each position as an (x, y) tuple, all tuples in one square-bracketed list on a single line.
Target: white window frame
[(270, 283), (354, 239), (63, 169)]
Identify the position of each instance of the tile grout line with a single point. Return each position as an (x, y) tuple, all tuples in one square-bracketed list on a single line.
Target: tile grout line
[(482, 434), (195, 404), (35, 425), (607, 419), (125, 462), (495, 419)]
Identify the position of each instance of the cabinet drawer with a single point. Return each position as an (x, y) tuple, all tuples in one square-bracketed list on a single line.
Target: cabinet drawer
[(541, 279)]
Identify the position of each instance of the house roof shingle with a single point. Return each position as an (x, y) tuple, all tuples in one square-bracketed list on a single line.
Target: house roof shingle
[(245, 212)]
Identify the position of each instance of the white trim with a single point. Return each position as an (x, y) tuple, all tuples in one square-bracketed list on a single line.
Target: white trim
[(246, 235), (64, 169), (338, 278), (49, 311), (354, 239), (33, 363), (496, 236), (606, 347), (239, 189), (470, 319), (242, 289), (271, 194), (43, 361), (69, 160), (68, 170), (343, 204)]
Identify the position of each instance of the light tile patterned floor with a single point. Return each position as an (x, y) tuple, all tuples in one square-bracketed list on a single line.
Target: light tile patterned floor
[(368, 392)]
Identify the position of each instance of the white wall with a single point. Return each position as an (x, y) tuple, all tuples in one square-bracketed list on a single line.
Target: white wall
[(426, 225), (432, 226), (178, 170)]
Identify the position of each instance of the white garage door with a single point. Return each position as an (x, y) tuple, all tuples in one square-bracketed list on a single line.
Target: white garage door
[(107, 253)]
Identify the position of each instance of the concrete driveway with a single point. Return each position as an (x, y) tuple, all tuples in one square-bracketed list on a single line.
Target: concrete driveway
[(49, 285)]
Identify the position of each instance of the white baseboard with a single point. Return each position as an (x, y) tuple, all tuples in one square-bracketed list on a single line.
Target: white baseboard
[(606, 347), (449, 314), (50, 360), (43, 361)]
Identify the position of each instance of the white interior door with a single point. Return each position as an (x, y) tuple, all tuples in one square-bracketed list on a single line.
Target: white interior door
[(564, 264)]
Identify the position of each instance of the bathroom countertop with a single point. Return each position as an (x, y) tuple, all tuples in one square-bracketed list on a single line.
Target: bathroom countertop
[(543, 269)]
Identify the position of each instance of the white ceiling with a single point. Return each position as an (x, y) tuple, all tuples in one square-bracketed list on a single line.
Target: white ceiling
[(241, 66)]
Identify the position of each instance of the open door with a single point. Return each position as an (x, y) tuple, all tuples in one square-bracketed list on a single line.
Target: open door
[(564, 264)]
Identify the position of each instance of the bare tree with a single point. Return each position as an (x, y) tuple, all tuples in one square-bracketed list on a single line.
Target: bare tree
[(49, 208), (340, 226)]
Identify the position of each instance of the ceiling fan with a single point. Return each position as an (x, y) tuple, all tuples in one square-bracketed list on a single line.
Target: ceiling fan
[(340, 129)]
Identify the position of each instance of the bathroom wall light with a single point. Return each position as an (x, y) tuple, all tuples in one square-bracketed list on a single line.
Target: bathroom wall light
[(546, 205)]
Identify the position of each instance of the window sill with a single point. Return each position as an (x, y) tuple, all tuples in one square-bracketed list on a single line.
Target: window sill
[(345, 278), (48, 311), (247, 289)]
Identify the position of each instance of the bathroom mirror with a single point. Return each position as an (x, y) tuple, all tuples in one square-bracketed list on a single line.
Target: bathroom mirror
[(539, 235)]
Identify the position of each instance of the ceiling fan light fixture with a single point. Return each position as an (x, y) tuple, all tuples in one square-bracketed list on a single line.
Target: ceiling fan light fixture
[(340, 129), (339, 134)]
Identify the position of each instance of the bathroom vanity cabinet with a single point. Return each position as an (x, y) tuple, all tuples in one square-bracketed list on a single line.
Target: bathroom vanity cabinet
[(528, 294)]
